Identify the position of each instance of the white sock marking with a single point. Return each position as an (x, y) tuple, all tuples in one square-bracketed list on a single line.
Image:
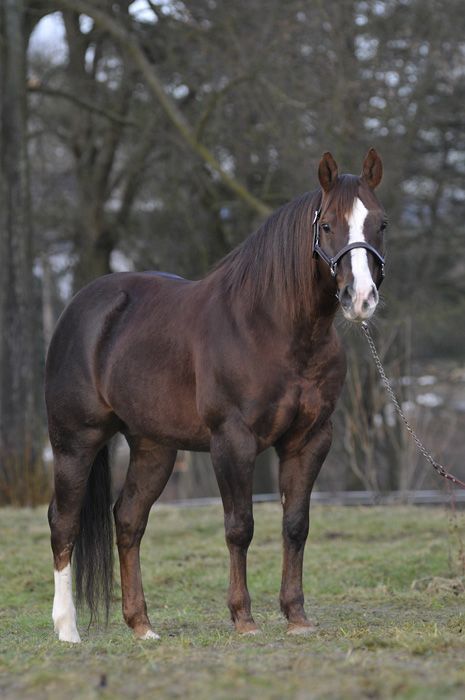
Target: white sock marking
[(150, 634), (363, 281), (64, 612)]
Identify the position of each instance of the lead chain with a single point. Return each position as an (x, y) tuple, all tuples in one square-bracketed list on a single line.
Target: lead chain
[(435, 464)]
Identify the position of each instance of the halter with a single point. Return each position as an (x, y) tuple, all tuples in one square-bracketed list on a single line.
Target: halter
[(333, 261)]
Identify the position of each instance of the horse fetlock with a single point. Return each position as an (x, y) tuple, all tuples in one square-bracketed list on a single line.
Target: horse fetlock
[(239, 597), (292, 606), (241, 615), (137, 621)]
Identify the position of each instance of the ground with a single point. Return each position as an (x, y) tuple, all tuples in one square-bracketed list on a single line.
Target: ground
[(384, 584)]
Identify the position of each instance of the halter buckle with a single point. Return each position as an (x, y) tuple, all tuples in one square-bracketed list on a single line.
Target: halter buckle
[(316, 237), (333, 268)]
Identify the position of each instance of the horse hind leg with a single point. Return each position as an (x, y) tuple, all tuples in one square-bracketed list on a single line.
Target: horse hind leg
[(85, 452), (149, 469), (71, 474)]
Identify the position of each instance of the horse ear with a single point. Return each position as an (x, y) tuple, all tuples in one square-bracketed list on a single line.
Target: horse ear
[(327, 171), (372, 170)]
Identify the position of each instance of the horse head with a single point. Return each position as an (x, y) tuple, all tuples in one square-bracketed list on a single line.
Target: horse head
[(348, 233)]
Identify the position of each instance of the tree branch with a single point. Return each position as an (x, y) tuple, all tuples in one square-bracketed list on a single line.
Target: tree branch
[(123, 37), (111, 116), (213, 102)]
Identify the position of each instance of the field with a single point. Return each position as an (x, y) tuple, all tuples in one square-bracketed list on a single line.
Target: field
[(385, 585)]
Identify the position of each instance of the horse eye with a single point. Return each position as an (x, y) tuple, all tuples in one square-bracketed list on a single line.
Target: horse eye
[(326, 228), (383, 226)]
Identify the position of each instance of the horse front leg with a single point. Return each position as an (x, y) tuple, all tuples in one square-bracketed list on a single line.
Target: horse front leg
[(297, 473), (233, 452)]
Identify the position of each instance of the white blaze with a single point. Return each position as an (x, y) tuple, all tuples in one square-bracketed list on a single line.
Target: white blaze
[(64, 612), (363, 281)]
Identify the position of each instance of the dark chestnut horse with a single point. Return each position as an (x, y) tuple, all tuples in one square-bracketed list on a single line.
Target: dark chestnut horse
[(241, 360)]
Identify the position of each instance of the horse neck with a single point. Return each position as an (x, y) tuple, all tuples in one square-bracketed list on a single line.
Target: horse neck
[(310, 304), (302, 331), (315, 322)]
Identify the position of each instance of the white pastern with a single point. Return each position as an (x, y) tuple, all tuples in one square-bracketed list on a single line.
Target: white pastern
[(363, 281), (64, 612), (150, 634)]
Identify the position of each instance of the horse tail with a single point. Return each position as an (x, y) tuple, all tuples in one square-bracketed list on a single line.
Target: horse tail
[(93, 549)]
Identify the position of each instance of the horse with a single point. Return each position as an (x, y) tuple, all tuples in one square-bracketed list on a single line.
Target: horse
[(244, 359)]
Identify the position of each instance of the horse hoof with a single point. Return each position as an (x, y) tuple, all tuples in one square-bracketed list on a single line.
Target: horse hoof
[(247, 629), (150, 634), (301, 628), (250, 633), (71, 636)]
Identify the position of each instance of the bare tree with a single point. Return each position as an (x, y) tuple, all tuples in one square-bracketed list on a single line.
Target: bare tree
[(19, 421)]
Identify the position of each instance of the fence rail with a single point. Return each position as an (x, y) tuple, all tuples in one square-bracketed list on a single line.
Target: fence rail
[(346, 498)]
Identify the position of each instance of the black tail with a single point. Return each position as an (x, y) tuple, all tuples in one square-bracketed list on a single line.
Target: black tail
[(93, 549)]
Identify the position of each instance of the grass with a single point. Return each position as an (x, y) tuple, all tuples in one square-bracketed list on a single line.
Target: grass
[(378, 636)]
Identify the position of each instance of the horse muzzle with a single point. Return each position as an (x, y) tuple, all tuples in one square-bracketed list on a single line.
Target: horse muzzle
[(358, 304)]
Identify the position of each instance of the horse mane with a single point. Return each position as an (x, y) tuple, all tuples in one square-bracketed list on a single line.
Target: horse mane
[(278, 255)]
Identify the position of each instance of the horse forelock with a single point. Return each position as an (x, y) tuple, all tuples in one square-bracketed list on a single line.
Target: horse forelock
[(341, 198)]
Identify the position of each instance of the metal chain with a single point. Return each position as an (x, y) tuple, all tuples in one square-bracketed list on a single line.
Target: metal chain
[(436, 465)]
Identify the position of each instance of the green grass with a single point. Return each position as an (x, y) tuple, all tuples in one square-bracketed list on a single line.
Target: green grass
[(378, 637)]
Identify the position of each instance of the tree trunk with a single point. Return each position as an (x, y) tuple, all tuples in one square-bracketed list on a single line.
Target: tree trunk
[(19, 434), (93, 245)]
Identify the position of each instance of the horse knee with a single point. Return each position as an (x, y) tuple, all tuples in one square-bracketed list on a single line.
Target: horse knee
[(295, 527), (239, 530)]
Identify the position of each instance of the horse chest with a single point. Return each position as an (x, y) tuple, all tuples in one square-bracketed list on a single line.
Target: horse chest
[(320, 388), (302, 404), (316, 404)]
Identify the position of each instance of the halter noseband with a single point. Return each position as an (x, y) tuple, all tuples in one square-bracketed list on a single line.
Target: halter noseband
[(332, 262)]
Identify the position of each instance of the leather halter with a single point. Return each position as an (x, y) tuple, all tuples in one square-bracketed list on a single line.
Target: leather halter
[(332, 262)]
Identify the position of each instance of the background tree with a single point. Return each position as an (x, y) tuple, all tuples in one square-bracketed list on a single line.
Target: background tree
[(162, 133), (20, 415)]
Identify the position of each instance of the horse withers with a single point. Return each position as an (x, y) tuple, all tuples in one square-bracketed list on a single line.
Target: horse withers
[(234, 363)]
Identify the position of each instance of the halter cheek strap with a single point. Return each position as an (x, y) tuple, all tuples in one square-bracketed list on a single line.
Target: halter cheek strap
[(332, 262)]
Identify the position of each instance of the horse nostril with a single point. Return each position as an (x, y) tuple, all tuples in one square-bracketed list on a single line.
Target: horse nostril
[(372, 299), (347, 296), (373, 295)]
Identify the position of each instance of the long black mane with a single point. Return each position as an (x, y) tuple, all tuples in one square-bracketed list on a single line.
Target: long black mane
[(278, 255)]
